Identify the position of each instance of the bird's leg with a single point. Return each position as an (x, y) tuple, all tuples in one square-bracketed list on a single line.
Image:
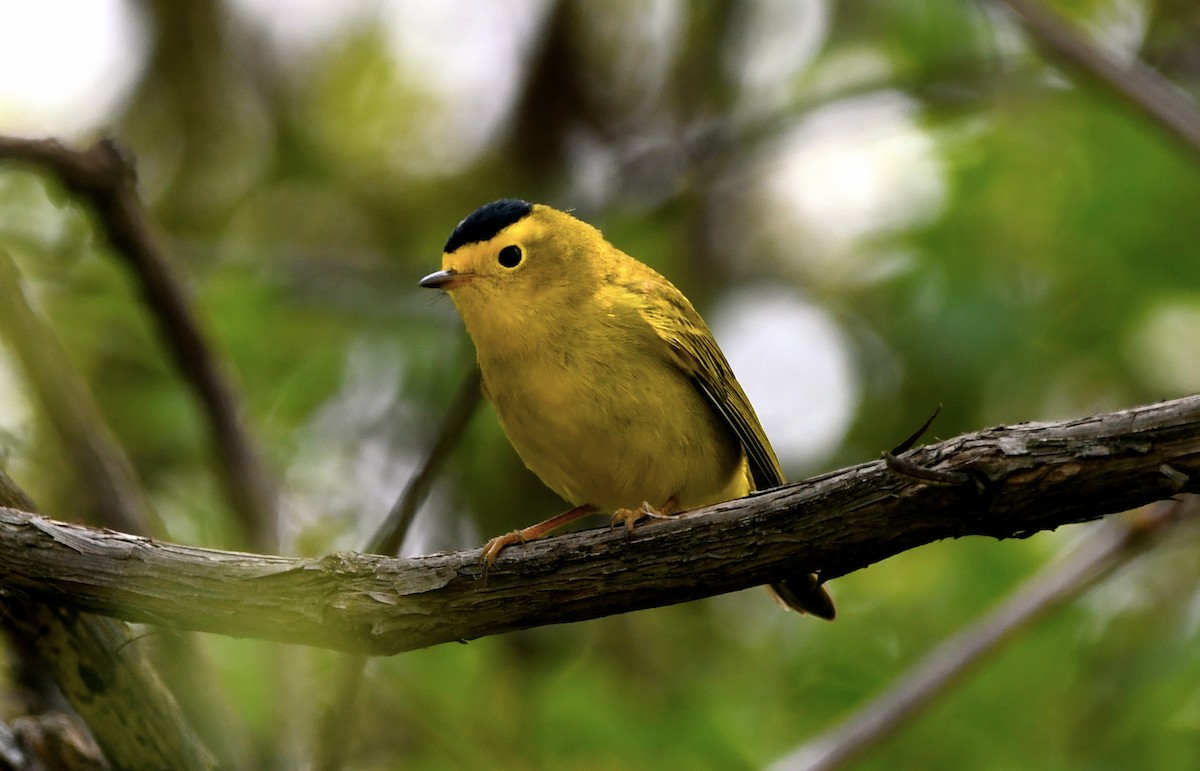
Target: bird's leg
[(632, 516), (492, 548)]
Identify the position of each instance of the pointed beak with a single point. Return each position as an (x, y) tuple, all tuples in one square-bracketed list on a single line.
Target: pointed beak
[(443, 279)]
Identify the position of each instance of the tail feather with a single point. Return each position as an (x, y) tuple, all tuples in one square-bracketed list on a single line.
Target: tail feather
[(804, 593)]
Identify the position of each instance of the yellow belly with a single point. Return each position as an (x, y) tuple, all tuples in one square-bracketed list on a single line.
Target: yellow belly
[(597, 432)]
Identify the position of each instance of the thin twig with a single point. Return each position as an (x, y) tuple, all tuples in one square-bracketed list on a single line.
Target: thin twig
[(929, 476), (1136, 83), (104, 178), (1110, 547)]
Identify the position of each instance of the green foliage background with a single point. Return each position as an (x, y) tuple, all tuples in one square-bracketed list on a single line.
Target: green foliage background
[(1057, 273)]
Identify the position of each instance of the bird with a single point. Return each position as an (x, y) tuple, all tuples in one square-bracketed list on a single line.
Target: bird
[(604, 377)]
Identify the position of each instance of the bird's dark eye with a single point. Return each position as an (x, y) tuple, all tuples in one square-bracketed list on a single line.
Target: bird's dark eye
[(510, 256)]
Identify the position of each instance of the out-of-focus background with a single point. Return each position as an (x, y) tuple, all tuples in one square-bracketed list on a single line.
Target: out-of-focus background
[(879, 207)]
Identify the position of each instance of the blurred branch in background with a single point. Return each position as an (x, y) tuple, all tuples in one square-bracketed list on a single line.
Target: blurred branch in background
[(114, 495), (1113, 545), (1012, 482), (101, 668), (390, 536), (104, 178), (337, 720), (1138, 85)]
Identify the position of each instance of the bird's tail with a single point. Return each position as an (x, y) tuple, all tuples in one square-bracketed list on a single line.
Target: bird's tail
[(804, 593)]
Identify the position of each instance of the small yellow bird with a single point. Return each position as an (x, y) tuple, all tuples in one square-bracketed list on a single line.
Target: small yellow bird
[(605, 378)]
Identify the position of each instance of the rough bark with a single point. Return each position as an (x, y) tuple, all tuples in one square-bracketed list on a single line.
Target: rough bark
[(1005, 482), (103, 673)]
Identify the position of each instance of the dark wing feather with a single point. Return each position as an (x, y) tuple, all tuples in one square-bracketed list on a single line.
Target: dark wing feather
[(714, 379), (678, 324), (696, 352)]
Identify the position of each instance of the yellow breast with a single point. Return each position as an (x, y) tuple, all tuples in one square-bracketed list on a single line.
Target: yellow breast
[(603, 416)]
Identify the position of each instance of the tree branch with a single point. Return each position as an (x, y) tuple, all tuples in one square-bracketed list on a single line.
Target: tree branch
[(1022, 479)]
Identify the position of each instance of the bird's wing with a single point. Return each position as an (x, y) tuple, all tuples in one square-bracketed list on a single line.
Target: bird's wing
[(693, 348)]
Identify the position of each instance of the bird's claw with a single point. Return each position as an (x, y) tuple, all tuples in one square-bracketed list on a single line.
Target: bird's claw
[(632, 516), (491, 549)]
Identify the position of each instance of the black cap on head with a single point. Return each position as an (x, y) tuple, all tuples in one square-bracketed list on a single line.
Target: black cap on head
[(486, 221)]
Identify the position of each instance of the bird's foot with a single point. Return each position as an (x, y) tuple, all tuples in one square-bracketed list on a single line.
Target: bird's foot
[(492, 549), (632, 516)]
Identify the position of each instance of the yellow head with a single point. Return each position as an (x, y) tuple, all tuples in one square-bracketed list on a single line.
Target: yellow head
[(510, 261)]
